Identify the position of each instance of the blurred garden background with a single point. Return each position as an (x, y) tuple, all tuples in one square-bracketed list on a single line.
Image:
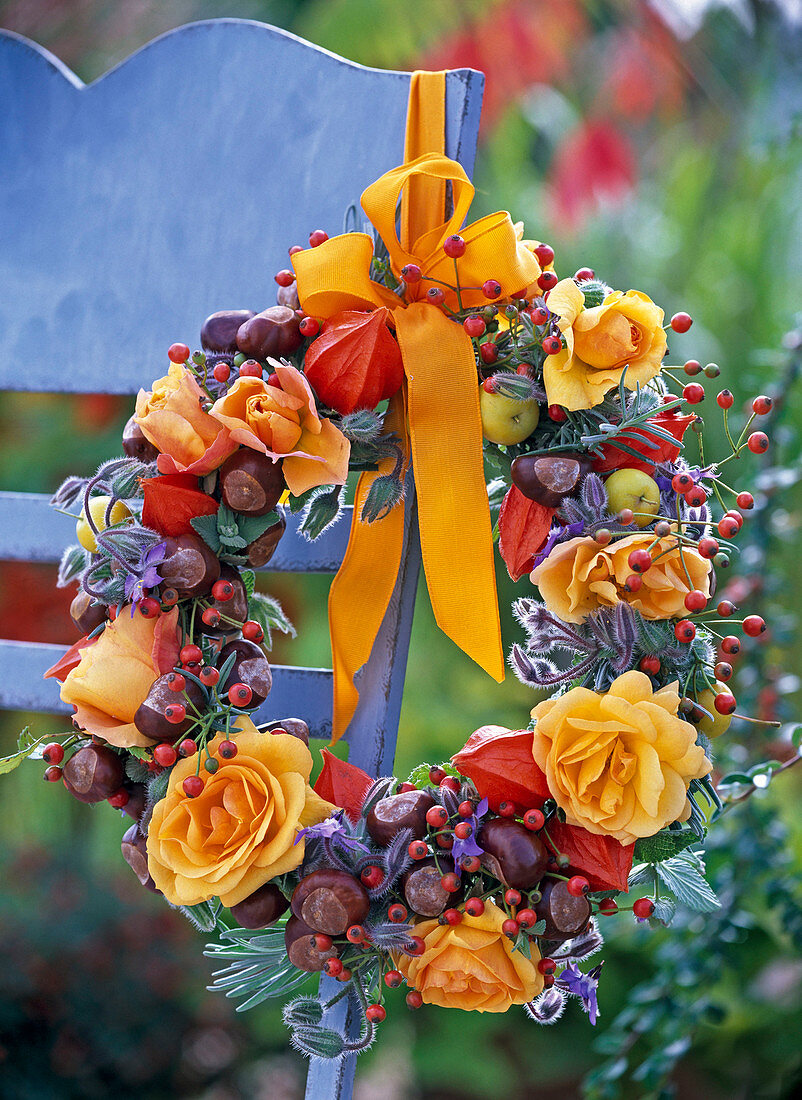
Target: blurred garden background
[(659, 143)]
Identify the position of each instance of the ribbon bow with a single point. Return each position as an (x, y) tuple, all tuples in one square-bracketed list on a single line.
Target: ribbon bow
[(442, 407)]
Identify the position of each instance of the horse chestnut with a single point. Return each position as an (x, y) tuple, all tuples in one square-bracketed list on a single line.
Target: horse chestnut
[(521, 857), (272, 333), (330, 901), (85, 613), (150, 719), (399, 811), (299, 941), (219, 331), (564, 914), (93, 773), (295, 727), (548, 478), (251, 483), (261, 550), (189, 566), (261, 908), (424, 891), (135, 853), (250, 667), (136, 444)]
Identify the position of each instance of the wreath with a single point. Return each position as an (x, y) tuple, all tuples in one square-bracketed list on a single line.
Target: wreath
[(482, 882)]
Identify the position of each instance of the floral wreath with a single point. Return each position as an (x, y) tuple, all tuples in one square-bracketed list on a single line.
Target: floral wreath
[(479, 883)]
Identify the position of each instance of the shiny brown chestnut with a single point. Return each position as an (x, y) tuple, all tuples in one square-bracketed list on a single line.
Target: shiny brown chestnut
[(261, 908), (149, 718), (136, 444), (261, 550), (93, 773), (330, 901), (233, 611), (189, 566), (273, 332), (547, 479), (423, 889), (251, 483), (564, 914), (135, 853), (295, 727), (399, 811), (250, 667), (86, 614), (288, 296), (299, 941), (521, 857), (219, 331)]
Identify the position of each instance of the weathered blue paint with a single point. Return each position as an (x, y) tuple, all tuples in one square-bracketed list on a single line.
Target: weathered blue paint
[(132, 207)]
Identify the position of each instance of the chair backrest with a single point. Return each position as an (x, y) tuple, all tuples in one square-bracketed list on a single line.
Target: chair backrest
[(132, 207)]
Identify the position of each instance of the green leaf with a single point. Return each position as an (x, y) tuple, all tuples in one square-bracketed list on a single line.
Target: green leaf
[(206, 526), (251, 527), (664, 910), (249, 580), (157, 788), (324, 510), (538, 929), (26, 746), (73, 561), (303, 1012), (384, 494), (268, 612), (654, 849), (683, 875), (420, 775), (136, 771), (203, 915)]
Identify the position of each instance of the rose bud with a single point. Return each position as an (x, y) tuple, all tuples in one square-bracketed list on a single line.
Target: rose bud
[(330, 901), (251, 483), (399, 811), (86, 614), (262, 549), (150, 719), (548, 478), (236, 607), (250, 667), (93, 773), (288, 296), (135, 853), (136, 445), (521, 857), (261, 908), (219, 332), (272, 333), (295, 727), (564, 914), (424, 891), (299, 941), (190, 566)]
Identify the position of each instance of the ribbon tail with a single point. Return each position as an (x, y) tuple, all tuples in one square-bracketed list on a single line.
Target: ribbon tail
[(360, 592), (454, 514)]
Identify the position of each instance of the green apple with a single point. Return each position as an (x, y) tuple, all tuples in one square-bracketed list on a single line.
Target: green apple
[(717, 723), (506, 420), (636, 490)]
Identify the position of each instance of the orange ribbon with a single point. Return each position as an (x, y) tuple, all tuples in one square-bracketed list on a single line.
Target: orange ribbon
[(441, 399)]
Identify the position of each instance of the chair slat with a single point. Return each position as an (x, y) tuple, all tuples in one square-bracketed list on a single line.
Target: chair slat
[(301, 692), (173, 185), (30, 530)]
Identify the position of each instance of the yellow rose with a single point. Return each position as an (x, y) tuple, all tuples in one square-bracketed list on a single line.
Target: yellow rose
[(579, 576), (171, 418), (618, 762), (283, 422), (471, 965), (625, 331), (116, 672), (240, 831)]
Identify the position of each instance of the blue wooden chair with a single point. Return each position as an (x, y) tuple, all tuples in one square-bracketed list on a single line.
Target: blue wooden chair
[(132, 207)]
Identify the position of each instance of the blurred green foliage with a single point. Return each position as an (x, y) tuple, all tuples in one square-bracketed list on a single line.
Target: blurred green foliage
[(698, 140)]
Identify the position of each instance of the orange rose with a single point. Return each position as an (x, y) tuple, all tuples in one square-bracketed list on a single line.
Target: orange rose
[(472, 965), (116, 672), (284, 423), (618, 762), (240, 831), (624, 332), (171, 417), (579, 576)]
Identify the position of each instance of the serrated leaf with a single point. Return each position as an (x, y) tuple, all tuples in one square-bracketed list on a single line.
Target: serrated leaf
[(268, 612), (664, 910), (249, 580), (538, 928), (324, 510), (664, 845), (683, 876), (73, 561), (206, 526), (136, 771), (26, 746), (251, 527), (157, 788)]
